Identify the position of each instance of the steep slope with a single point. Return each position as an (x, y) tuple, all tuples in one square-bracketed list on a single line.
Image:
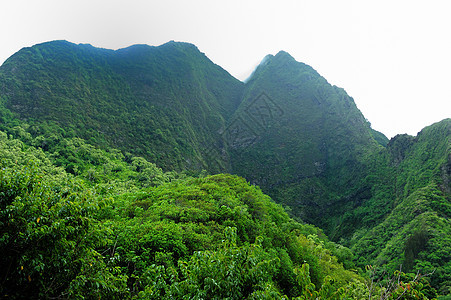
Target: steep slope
[(302, 140), (163, 102), (288, 130), (416, 233), (309, 147)]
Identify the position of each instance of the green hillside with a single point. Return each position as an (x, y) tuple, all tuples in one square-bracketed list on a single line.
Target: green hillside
[(313, 151), (112, 182), (164, 103), (310, 153), (416, 233), (66, 236)]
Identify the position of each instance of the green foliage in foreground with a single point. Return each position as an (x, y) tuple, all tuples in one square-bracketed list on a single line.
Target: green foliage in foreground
[(162, 227), (65, 236), (49, 237)]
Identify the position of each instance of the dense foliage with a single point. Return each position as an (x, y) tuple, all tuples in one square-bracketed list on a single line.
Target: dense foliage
[(87, 212), (163, 103), (67, 236), (416, 232), (312, 142), (64, 236)]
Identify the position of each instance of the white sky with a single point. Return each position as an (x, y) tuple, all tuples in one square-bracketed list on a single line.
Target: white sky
[(392, 57)]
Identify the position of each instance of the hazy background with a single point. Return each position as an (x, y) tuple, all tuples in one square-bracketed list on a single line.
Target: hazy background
[(392, 57)]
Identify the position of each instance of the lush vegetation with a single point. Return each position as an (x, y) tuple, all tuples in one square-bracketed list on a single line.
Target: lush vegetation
[(416, 231), (106, 188), (311, 153), (215, 236), (124, 99)]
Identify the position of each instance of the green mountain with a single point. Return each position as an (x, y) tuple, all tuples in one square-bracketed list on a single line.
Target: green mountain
[(416, 233), (311, 141), (173, 106), (307, 145), (164, 103), (134, 125)]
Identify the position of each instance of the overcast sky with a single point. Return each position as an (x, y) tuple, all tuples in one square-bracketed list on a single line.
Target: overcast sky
[(392, 57)]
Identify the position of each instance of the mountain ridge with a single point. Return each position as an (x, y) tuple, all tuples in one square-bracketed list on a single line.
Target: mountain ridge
[(109, 84), (286, 129)]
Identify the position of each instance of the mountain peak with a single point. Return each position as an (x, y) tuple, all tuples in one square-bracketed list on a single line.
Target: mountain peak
[(177, 44), (281, 63), (169, 46), (270, 59), (284, 55), (281, 56)]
